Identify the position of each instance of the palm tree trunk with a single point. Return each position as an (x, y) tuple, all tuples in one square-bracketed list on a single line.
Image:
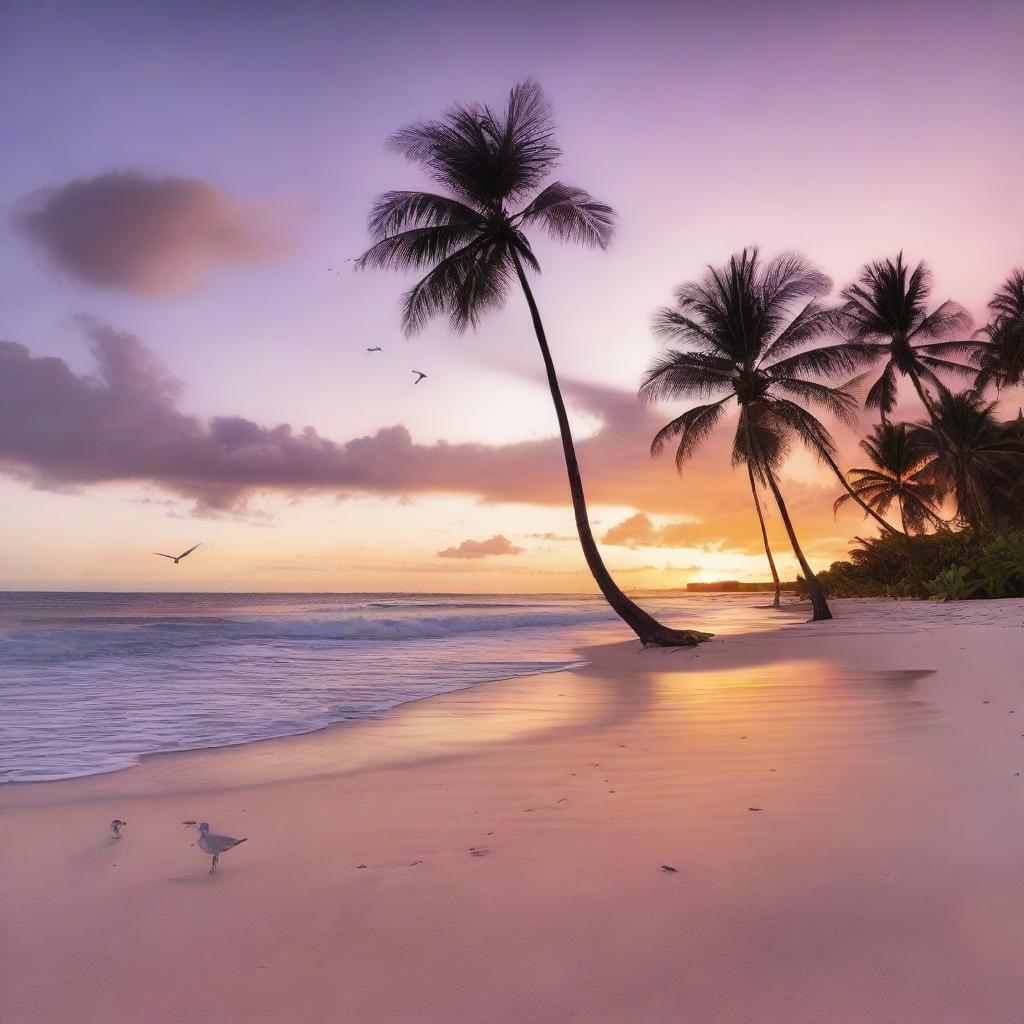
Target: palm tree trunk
[(926, 401), (760, 515), (841, 477), (906, 533), (648, 629), (817, 595)]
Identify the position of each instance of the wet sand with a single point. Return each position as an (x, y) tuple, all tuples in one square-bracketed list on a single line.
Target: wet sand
[(841, 802)]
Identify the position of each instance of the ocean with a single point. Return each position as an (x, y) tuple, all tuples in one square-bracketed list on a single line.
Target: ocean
[(89, 683)]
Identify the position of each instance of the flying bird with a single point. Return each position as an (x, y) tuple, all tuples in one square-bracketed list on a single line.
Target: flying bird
[(177, 558), (213, 844), (419, 376), (376, 348)]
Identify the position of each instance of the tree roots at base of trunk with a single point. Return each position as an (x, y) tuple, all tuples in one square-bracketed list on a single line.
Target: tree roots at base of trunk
[(675, 638)]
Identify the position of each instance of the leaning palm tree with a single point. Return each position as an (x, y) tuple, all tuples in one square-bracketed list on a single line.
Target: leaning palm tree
[(742, 334), (472, 242), (887, 316), (900, 474), (976, 458), (1001, 361)]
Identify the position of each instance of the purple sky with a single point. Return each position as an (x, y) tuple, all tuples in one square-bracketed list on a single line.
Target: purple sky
[(846, 131)]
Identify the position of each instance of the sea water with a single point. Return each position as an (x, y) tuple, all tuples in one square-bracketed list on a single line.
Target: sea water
[(91, 682)]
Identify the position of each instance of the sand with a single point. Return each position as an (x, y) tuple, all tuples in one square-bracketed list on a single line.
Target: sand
[(841, 801)]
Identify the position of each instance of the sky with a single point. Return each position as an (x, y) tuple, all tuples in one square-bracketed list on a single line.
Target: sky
[(184, 359)]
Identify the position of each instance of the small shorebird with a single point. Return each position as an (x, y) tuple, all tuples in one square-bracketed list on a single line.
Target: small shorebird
[(177, 558), (116, 825), (419, 376), (213, 844)]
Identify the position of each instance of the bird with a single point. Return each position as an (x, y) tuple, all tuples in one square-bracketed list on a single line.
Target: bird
[(116, 825), (213, 844), (177, 558), (376, 348), (419, 377)]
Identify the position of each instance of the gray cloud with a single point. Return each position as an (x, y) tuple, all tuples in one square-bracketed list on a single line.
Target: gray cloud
[(496, 545), (60, 430), (153, 236)]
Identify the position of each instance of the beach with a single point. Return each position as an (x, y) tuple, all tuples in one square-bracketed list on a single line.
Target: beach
[(840, 803)]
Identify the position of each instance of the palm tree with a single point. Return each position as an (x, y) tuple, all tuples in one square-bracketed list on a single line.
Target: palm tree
[(901, 473), (1001, 361), (886, 311), (976, 458), (471, 241), (743, 331)]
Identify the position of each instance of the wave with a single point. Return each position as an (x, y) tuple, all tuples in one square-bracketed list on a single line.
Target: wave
[(420, 627)]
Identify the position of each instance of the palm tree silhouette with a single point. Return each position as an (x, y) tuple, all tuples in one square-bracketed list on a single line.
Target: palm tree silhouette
[(744, 331), (1001, 361), (472, 243), (886, 311), (901, 473), (976, 458)]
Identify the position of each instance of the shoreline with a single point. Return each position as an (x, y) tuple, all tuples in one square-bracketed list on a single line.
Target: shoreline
[(840, 805)]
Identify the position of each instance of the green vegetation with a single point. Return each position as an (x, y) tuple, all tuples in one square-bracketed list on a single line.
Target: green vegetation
[(949, 565)]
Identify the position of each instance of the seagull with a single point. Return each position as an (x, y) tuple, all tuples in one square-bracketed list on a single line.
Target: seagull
[(177, 558), (213, 844), (376, 348), (419, 377), (116, 825)]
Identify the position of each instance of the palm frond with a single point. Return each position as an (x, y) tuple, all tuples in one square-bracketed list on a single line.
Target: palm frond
[(677, 326), (882, 394), (483, 157), (675, 374), (949, 318), (807, 427), (417, 247), (827, 361), (813, 322), (453, 287), (760, 442), (692, 427), (836, 401), (571, 214), (394, 212)]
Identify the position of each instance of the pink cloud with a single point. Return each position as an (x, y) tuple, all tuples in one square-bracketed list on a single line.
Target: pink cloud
[(496, 545), (153, 236)]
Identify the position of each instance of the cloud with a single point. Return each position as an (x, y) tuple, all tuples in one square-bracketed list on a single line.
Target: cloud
[(61, 430), (496, 545), (153, 236), (639, 531)]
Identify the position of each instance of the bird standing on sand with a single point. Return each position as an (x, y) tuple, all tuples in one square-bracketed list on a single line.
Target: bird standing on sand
[(213, 844), (419, 376), (177, 558), (115, 827)]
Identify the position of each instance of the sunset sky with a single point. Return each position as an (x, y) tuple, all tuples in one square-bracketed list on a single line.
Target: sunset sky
[(185, 367)]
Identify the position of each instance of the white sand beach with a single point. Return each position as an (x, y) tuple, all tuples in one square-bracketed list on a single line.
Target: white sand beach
[(841, 803)]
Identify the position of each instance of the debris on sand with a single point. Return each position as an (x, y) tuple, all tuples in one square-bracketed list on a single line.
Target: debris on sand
[(479, 851), (668, 869)]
